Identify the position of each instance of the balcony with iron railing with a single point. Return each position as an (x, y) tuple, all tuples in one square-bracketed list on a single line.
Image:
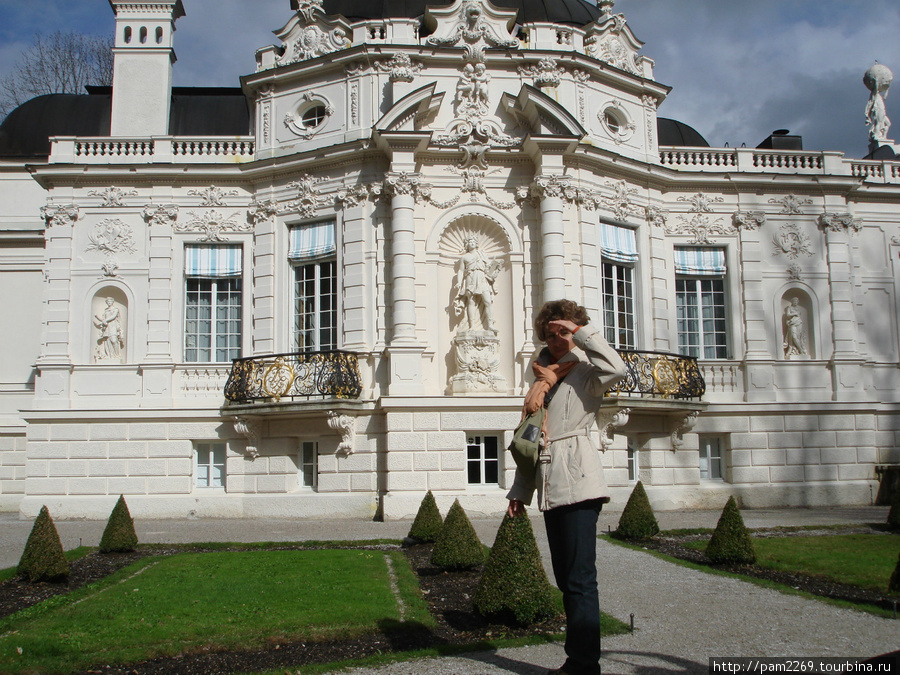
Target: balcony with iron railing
[(291, 377), (319, 376)]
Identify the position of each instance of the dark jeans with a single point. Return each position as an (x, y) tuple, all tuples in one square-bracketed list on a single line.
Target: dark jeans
[(572, 535)]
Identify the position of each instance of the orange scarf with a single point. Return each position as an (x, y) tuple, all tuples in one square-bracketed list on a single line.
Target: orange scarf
[(547, 377)]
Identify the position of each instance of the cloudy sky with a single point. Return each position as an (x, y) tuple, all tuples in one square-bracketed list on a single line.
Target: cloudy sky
[(739, 68)]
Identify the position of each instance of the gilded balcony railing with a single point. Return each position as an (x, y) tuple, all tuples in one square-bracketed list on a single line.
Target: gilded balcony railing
[(304, 375), (660, 375)]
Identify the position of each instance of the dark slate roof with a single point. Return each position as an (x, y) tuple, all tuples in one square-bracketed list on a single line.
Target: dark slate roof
[(26, 130), (574, 12), (195, 111), (673, 132)]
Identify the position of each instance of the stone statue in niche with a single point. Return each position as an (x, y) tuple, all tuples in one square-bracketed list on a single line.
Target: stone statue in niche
[(111, 341), (795, 339), (475, 294)]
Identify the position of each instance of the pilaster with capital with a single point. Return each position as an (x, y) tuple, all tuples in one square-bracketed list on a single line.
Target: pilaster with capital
[(54, 365), (160, 222), (551, 190), (838, 228), (757, 302)]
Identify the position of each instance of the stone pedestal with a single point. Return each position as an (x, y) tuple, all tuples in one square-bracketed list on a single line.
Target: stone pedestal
[(477, 363)]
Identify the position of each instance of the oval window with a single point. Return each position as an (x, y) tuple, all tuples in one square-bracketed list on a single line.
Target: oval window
[(314, 116)]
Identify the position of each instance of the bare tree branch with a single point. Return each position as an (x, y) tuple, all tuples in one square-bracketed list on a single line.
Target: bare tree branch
[(61, 63)]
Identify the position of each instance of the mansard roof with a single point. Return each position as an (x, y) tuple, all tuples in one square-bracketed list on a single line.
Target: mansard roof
[(573, 12), (196, 111)]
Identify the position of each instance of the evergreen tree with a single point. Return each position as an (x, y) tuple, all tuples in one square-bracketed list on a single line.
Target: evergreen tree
[(730, 542), (43, 558), (893, 519), (428, 522), (119, 535), (514, 588), (894, 583), (457, 546), (637, 520)]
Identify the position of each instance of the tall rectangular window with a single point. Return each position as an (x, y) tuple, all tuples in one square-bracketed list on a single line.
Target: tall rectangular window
[(700, 311), (312, 253), (483, 460), (212, 304), (700, 302), (618, 305), (618, 248), (633, 461), (315, 306), (711, 457), (210, 465), (309, 464)]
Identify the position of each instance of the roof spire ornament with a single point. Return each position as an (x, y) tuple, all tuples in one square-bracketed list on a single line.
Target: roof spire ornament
[(308, 8), (878, 80)]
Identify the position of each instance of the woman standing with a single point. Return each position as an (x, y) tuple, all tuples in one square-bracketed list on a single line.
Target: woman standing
[(573, 372)]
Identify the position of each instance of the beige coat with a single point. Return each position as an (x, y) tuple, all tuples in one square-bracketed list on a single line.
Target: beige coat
[(570, 470)]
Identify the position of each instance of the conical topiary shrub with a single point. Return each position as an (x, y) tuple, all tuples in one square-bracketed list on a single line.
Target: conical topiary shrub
[(731, 543), (894, 583), (893, 519), (514, 588), (637, 520), (43, 558), (119, 535), (457, 546), (428, 522)]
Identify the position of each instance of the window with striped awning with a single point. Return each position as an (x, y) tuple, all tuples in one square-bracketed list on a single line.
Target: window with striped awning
[(618, 243), (212, 262), (700, 261), (311, 241)]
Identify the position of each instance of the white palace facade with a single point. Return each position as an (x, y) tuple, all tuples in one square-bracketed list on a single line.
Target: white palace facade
[(256, 301)]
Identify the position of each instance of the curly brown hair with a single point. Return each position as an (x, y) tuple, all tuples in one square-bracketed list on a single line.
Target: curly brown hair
[(559, 309)]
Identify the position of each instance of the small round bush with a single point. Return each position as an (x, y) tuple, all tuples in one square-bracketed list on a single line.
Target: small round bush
[(43, 558), (457, 546), (637, 520), (119, 535), (514, 588), (428, 522), (730, 542)]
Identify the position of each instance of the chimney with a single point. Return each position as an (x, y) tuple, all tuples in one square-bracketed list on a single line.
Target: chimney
[(142, 66), (781, 139)]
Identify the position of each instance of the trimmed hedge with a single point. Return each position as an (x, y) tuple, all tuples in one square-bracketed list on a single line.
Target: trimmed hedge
[(119, 535), (637, 520), (457, 546), (514, 588), (730, 542), (43, 558), (428, 522)]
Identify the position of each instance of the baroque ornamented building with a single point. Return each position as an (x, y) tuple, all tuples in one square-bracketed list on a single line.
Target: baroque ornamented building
[(312, 295)]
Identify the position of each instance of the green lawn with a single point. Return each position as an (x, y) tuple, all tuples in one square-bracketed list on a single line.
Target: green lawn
[(864, 560), (242, 600)]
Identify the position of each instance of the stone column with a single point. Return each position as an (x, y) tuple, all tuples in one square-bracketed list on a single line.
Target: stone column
[(401, 188), (549, 189), (404, 351)]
